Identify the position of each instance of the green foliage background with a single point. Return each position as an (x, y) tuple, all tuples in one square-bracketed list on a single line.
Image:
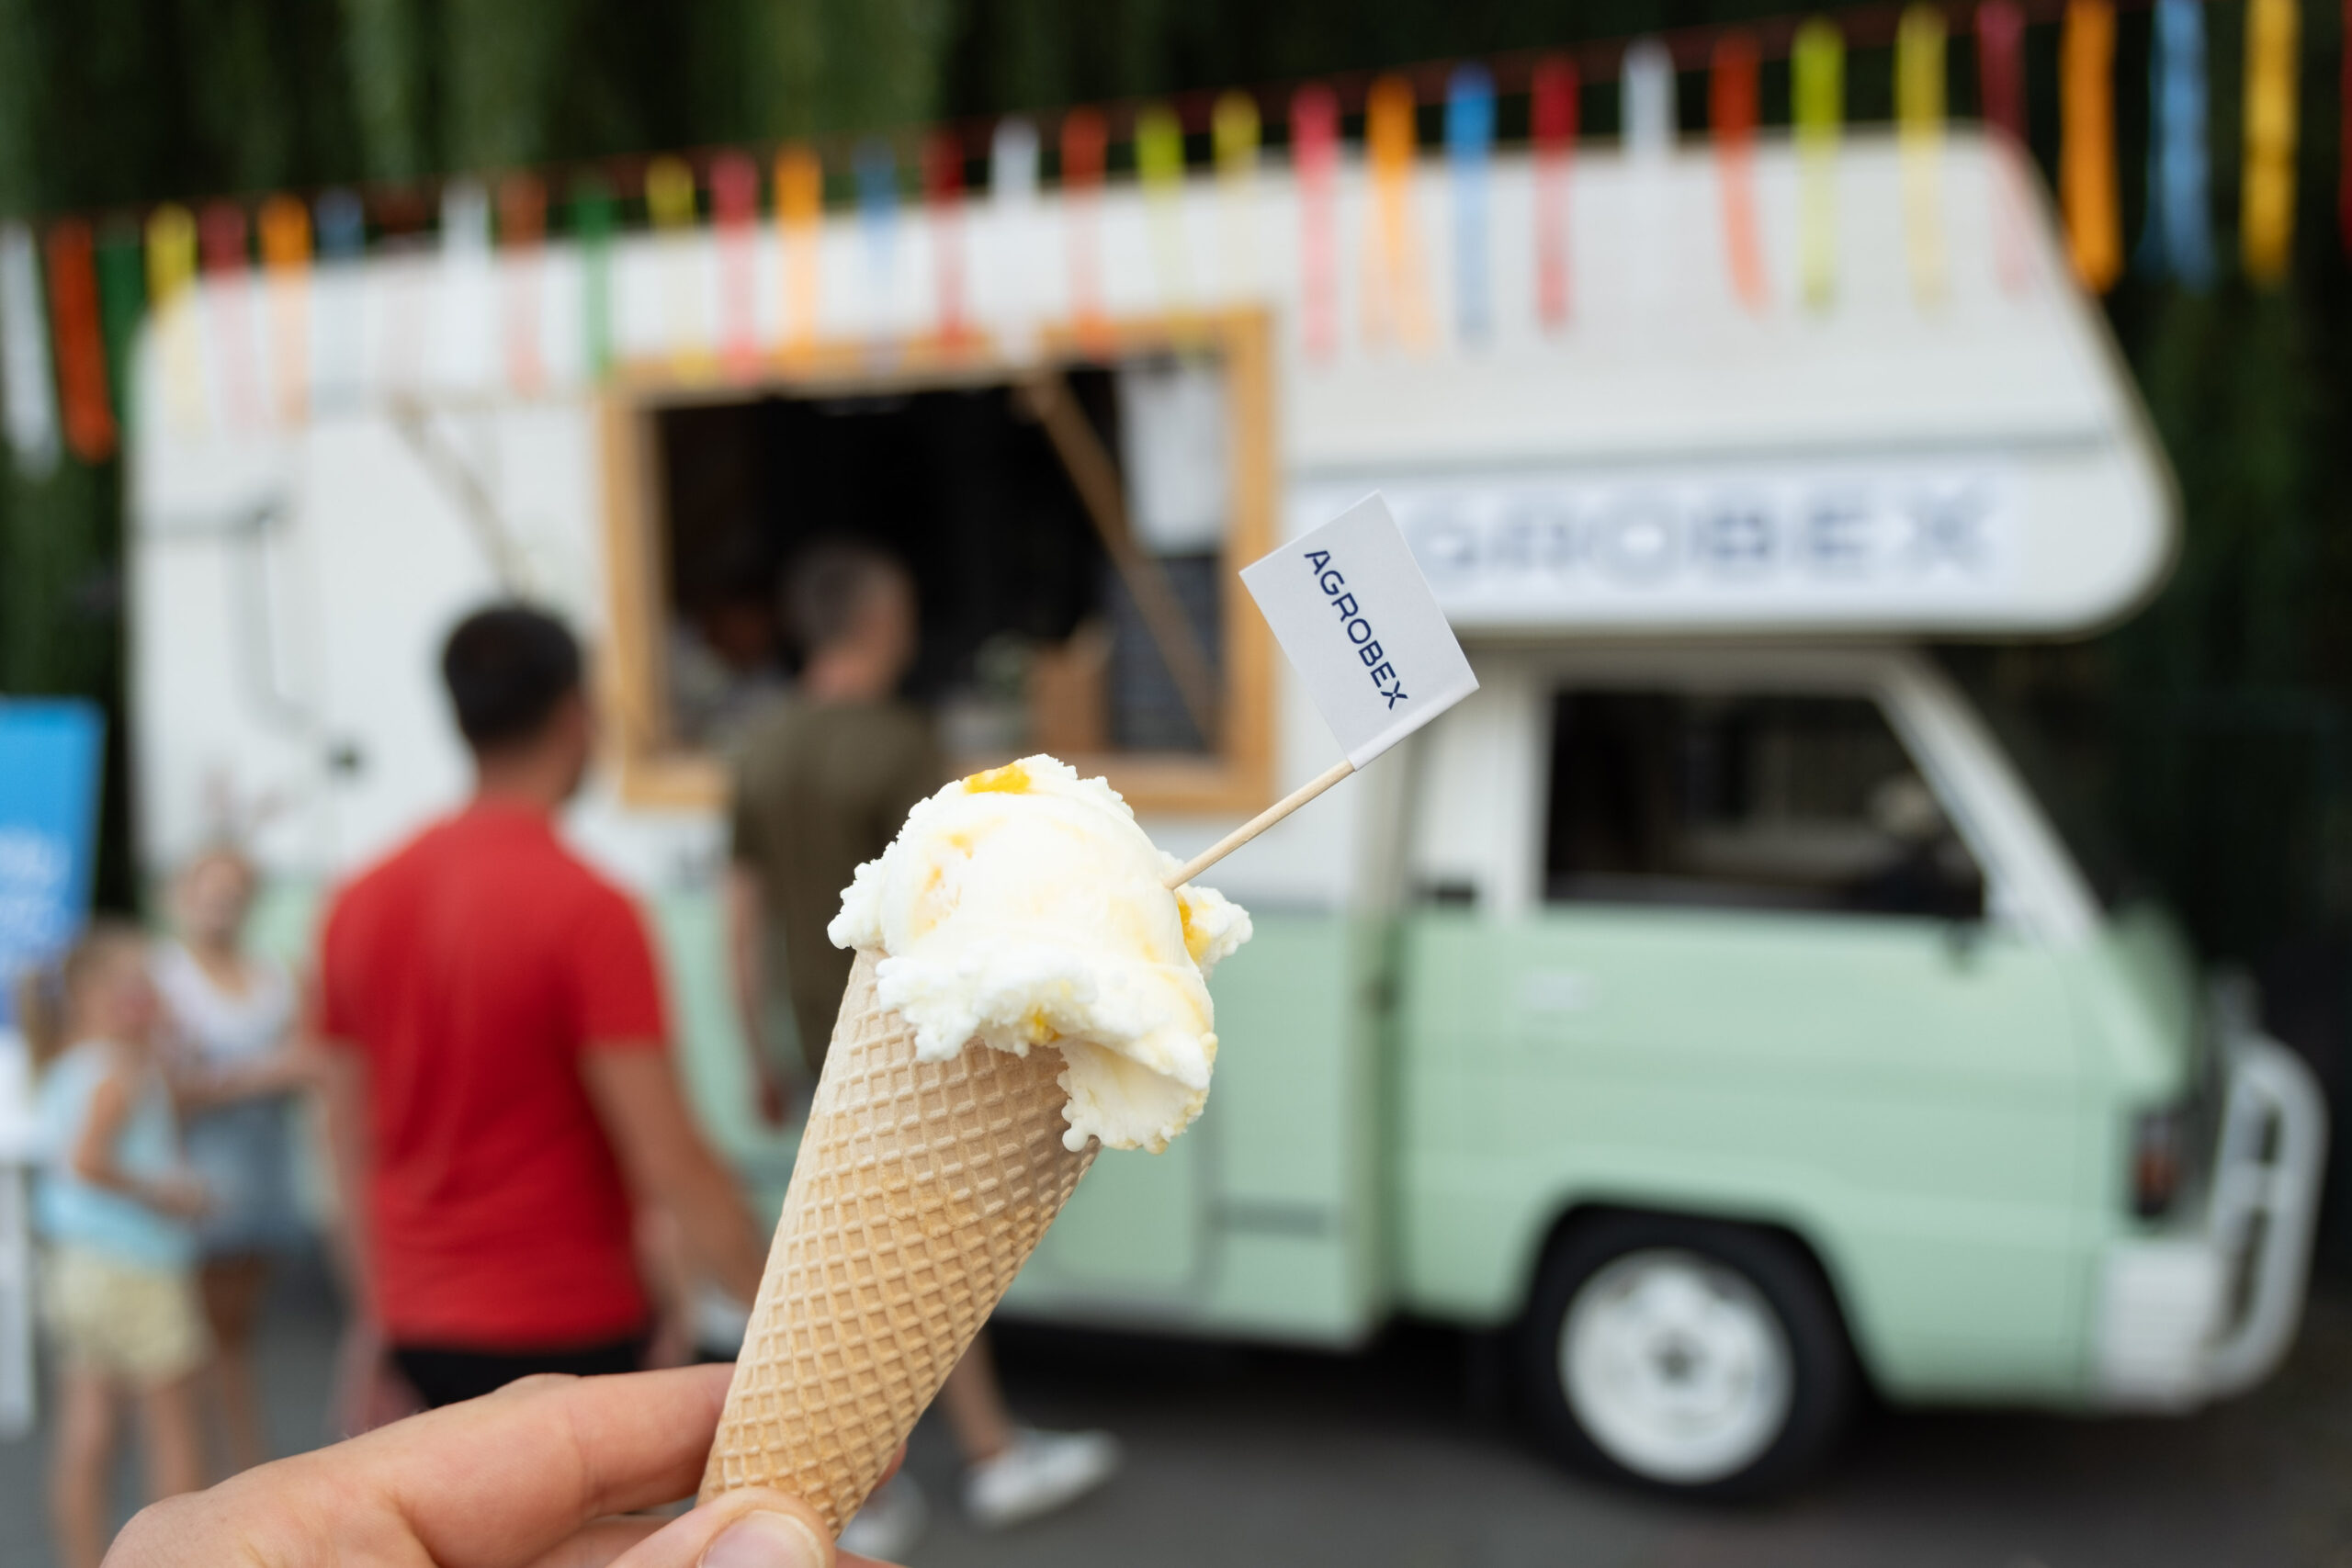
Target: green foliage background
[(2211, 729)]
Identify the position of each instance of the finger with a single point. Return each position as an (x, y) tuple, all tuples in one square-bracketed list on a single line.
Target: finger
[(750, 1528), (505, 1478), (600, 1543)]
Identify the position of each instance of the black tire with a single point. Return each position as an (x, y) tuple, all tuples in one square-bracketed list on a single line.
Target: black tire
[(1820, 1379)]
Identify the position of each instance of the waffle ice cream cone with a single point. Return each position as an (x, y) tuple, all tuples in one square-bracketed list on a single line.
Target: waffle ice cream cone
[(920, 1190)]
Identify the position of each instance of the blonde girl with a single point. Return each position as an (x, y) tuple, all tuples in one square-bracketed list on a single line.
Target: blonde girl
[(238, 1064), (115, 1206)]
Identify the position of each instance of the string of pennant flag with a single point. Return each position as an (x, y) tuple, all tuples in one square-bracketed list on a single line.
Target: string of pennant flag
[(75, 291)]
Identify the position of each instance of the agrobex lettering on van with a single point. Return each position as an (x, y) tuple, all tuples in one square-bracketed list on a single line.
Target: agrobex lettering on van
[(1352, 609)]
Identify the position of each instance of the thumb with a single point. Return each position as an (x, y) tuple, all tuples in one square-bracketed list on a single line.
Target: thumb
[(750, 1529)]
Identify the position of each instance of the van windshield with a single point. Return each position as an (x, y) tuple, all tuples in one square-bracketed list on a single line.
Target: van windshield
[(2064, 757)]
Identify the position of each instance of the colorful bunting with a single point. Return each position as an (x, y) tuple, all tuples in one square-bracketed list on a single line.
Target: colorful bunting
[(875, 166), (801, 226), (171, 277), (122, 300), (2266, 213), (522, 234), (2000, 67), (1159, 169), (1314, 156), (2000, 77), (285, 227), (95, 297), (1233, 133), (669, 193), (1732, 116), (671, 207), (2178, 239), (220, 242), (1470, 152), (1648, 92), (339, 227), (1919, 133), (1395, 302), (942, 195), (593, 217), (1013, 197), (31, 412), (2344, 136), (1551, 114), (1818, 68), (734, 223), (2086, 188), (1085, 146), (79, 339)]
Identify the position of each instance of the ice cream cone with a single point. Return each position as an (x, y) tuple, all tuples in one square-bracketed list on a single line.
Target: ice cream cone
[(920, 1190)]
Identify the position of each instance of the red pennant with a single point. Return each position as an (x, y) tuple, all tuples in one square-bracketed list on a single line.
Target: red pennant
[(1315, 156), (2000, 86), (1553, 92), (734, 222), (220, 240), (522, 231), (942, 195), (1085, 141), (1731, 111)]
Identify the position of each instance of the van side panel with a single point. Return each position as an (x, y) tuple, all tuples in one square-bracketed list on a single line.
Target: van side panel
[(1264, 1219), (1911, 1107)]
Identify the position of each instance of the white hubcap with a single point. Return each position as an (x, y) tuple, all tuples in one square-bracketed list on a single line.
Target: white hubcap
[(1676, 1366)]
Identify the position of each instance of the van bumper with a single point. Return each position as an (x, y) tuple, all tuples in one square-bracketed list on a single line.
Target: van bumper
[(2201, 1314)]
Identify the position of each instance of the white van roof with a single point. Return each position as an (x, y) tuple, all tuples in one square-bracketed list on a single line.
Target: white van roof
[(1971, 463)]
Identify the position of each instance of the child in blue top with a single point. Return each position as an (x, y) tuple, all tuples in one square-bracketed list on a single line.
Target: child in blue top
[(114, 1205)]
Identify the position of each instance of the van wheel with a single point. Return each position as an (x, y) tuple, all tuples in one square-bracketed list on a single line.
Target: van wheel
[(1698, 1358)]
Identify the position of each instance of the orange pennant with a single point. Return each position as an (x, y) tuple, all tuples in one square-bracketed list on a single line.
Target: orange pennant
[(2087, 190), (81, 348)]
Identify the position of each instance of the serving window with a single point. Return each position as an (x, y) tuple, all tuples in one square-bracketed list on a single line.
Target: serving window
[(1073, 525)]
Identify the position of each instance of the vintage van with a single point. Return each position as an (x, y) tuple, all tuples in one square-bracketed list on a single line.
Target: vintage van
[(1708, 1005)]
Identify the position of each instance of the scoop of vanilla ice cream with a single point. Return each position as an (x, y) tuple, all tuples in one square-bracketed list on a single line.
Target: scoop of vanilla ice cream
[(1025, 906)]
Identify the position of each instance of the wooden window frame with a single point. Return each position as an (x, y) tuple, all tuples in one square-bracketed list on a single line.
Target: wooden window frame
[(656, 772)]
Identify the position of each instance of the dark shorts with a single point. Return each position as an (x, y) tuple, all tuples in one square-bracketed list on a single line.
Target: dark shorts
[(443, 1375)]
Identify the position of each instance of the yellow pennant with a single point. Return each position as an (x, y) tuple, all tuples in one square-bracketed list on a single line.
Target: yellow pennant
[(2266, 218), (1817, 67), (1234, 135), (2087, 144), (1920, 122), (670, 203), (800, 225), (1395, 302), (1160, 166), (171, 275)]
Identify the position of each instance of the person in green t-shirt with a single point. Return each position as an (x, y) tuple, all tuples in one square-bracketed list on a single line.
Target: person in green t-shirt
[(824, 776), (823, 780)]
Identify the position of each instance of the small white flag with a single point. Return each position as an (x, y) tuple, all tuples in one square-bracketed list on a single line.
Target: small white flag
[(1352, 609)]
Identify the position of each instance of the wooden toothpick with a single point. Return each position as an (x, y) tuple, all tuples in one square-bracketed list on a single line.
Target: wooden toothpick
[(1260, 823)]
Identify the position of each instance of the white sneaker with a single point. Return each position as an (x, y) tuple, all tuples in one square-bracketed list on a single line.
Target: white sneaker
[(892, 1521), (1036, 1473)]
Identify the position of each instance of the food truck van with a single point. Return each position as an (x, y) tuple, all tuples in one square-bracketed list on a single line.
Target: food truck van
[(1708, 1007)]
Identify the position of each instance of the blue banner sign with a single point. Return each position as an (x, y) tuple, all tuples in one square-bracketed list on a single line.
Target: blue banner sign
[(49, 754)]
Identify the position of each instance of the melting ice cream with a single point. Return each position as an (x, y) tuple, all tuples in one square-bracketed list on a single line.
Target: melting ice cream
[(1025, 906)]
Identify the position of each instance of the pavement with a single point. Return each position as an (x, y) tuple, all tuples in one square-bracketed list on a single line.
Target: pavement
[(1403, 1457)]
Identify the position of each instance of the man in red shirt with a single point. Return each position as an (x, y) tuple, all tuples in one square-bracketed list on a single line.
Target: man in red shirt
[(500, 1095)]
